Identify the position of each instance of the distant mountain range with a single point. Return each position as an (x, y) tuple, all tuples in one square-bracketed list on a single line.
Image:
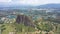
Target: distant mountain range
[(49, 6), (28, 6)]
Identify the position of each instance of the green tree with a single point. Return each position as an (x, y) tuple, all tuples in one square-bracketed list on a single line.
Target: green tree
[(22, 28), (43, 26), (2, 27)]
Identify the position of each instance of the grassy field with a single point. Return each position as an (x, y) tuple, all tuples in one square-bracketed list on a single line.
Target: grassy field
[(11, 28), (8, 29)]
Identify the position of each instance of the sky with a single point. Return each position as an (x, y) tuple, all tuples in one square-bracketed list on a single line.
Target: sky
[(29, 2)]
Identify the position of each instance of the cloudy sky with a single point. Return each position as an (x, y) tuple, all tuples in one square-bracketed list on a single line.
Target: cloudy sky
[(29, 2)]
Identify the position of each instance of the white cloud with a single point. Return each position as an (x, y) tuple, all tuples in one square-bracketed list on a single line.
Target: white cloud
[(30, 2), (38, 2), (4, 1)]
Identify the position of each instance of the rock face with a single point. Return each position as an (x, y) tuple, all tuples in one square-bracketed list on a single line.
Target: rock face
[(24, 20)]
